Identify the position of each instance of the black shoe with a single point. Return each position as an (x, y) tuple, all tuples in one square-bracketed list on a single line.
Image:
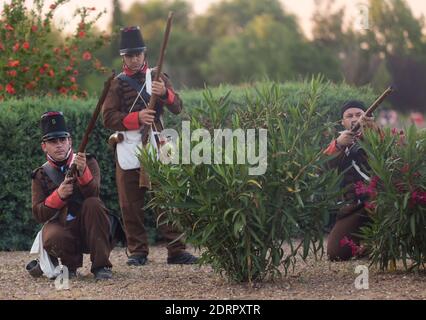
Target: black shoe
[(103, 273), (137, 260), (182, 258)]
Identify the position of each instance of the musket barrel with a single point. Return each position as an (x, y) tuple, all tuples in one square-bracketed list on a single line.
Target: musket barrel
[(374, 106)]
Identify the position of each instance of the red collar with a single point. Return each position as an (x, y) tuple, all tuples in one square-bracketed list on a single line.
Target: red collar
[(55, 165), (129, 72)]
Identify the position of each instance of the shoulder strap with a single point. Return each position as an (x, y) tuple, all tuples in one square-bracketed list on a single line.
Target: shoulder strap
[(132, 82), (55, 175)]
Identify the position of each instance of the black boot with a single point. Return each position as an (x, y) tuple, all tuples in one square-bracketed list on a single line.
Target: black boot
[(182, 258)]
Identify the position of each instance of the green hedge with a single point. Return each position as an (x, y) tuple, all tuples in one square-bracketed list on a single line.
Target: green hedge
[(21, 152)]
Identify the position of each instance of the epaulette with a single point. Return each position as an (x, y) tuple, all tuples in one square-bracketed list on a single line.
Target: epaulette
[(34, 173)]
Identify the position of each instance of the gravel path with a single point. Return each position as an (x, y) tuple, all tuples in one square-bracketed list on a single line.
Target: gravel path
[(157, 280)]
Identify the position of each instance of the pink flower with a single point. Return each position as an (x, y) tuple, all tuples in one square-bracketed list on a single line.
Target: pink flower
[(370, 205), (51, 73), (16, 47), (418, 197), (87, 56), (12, 73), (13, 63), (81, 34), (63, 90), (349, 242), (8, 27)]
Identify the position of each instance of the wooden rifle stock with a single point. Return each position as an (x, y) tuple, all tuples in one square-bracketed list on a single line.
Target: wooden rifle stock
[(72, 172), (374, 106), (144, 181), (153, 100), (82, 147)]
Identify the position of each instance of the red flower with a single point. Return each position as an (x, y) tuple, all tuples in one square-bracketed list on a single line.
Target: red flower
[(8, 27), (12, 73), (41, 70), (68, 68), (354, 248), (81, 34), (10, 89), (1, 46), (74, 87), (13, 63), (46, 65), (370, 205), (56, 50), (63, 90), (418, 197), (26, 45), (51, 73), (34, 28), (16, 47), (1, 87), (30, 85), (72, 79), (87, 56), (25, 69), (75, 72)]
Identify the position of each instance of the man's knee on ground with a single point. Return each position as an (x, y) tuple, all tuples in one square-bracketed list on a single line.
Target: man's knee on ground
[(54, 240), (335, 253)]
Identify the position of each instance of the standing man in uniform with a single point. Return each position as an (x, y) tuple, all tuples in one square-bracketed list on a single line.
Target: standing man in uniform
[(351, 159), (84, 227), (125, 110)]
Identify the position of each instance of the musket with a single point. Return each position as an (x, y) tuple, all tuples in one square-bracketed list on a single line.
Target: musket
[(153, 99), (373, 107), (72, 171), (143, 178)]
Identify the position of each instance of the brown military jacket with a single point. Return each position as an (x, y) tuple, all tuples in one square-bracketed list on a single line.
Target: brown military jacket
[(120, 98), (46, 202)]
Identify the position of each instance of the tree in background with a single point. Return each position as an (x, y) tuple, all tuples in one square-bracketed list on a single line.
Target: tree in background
[(391, 51)]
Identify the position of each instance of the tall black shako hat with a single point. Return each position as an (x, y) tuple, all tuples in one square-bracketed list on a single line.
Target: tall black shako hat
[(131, 41), (53, 126), (352, 104)]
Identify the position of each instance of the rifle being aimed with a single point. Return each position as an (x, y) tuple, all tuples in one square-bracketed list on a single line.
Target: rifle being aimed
[(146, 130), (72, 172), (373, 107)]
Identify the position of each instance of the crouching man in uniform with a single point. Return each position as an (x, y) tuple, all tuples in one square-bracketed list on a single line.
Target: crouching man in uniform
[(74, 217), (343, 241)]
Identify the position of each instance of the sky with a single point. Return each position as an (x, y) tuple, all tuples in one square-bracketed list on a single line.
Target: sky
[(303, 9)]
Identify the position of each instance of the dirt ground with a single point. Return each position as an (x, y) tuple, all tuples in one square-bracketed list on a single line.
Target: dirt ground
[(158, 280)]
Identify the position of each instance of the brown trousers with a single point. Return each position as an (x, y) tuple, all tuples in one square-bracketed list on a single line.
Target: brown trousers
[(89, 233), (347, 226), (132, 201)]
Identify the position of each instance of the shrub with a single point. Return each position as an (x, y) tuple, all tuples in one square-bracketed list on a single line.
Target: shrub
[(398, 205), (241, 220)]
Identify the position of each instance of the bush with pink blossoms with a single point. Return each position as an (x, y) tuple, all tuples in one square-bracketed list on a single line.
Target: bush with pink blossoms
[(397, 201), (35, 60)]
